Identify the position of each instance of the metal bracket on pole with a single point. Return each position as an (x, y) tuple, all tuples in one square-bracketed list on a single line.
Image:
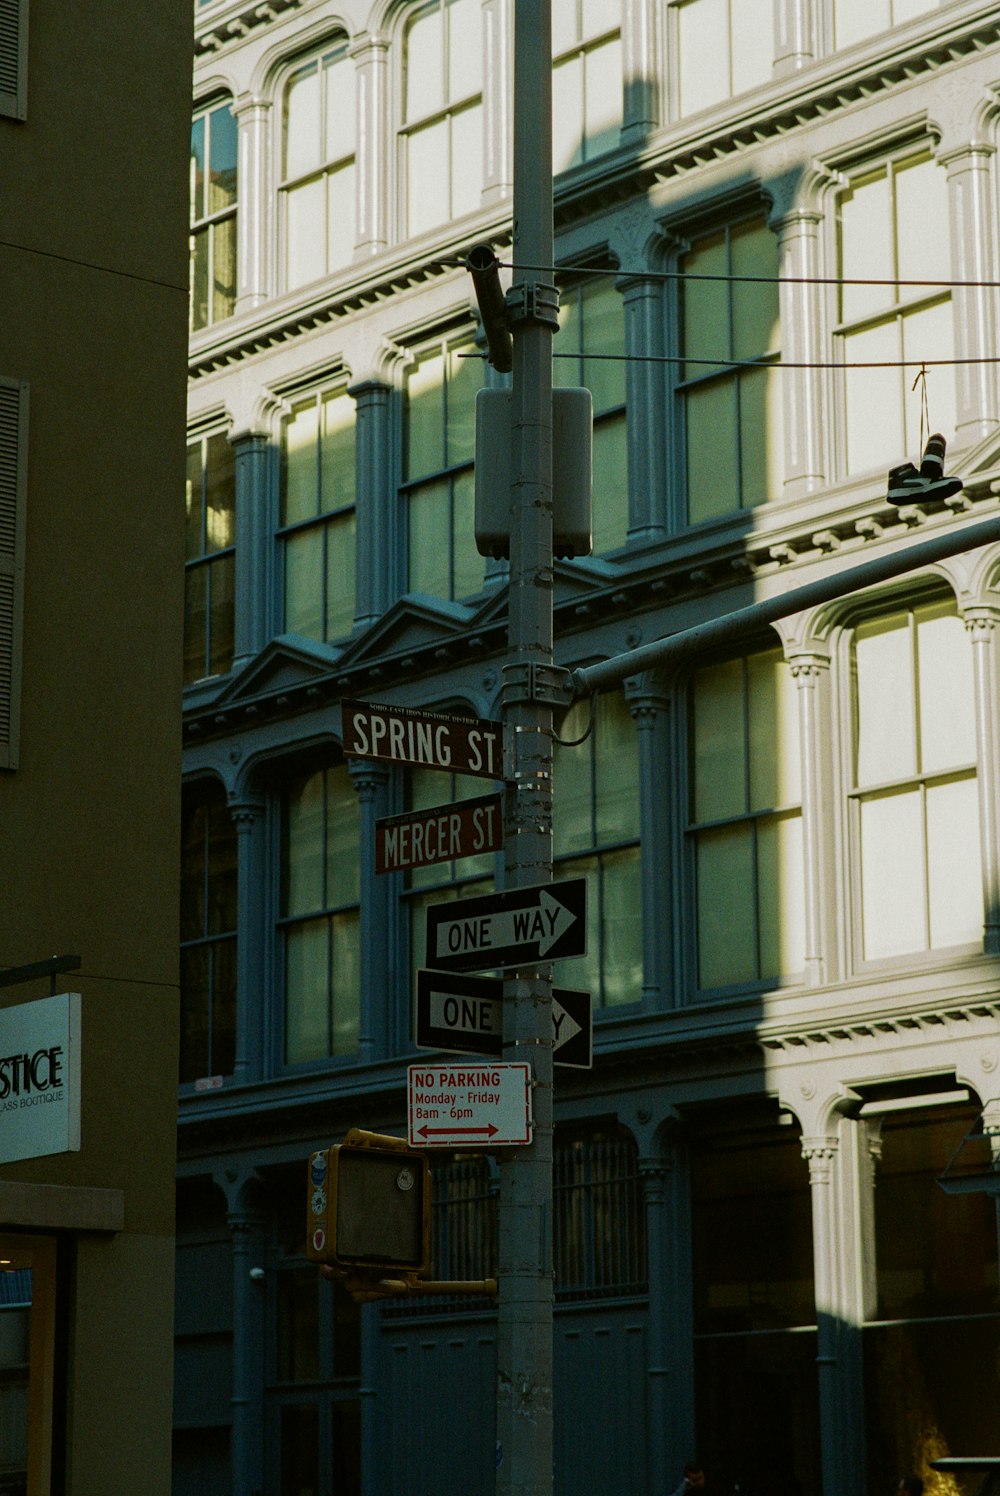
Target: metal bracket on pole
[(533, 302), (531, 681)]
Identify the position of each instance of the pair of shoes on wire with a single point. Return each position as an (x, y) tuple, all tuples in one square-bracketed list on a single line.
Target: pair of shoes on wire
[(908, 484)]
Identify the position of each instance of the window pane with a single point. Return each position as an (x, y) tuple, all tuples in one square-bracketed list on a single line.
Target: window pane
[(425, 418), (304, 847), (772, 707), (196, 997), (307, 998), (222, 582), (465, 48), (603, 98), (197, 170), (468, 563), (430, 539), (299, 498), (857, 19), (340, 557), (705, 305), (892, 880), (610, 484), (953, 865), (304, 583), (298, 1326), (345, 977), (302, 122), (221, 872), (753, 252), (340, 116), (346, 1416), (424, 59), (621, 926), (195, 622), (193, 539), (340, 233), (866, 245), (567, 113), (305, 233), (222, 147), (220, 493), (199, 244), (572, 827), (717, 748), (947, 703), (726, 936), (704, 53), (337, 453), (761, 445), (466, 161), (223, 1007), (751, 43), (874, 442), (616, 769), (223, 268), (342, 835), (927, 334), (712, 450), (922, 197), (781, 907), (299, 1449), (603, 331), (465, 379), (885, 701)]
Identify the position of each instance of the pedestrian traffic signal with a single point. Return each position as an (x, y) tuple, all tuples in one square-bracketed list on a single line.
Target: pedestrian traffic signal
[(368, 1210)]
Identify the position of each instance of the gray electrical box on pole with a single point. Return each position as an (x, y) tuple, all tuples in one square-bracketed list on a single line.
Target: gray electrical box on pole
[(572, 473)]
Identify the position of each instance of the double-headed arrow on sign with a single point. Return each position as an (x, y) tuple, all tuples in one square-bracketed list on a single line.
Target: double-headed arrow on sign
[(522, 927)]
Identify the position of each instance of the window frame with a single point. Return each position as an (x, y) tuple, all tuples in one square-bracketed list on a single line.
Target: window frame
[(210, 796), (208, 222), (334, 49), (224, 557)]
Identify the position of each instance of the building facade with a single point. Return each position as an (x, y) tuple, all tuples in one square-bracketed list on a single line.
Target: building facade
[(769, 216), (92, 389)]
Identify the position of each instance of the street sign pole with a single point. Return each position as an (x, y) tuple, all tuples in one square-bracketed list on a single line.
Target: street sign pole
[(524, 1248)]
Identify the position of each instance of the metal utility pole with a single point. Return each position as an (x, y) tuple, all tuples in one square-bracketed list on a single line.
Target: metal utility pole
[(524, 1328)]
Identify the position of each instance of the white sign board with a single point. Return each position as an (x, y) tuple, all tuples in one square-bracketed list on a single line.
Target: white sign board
[(453, 1106), (40, 1078)]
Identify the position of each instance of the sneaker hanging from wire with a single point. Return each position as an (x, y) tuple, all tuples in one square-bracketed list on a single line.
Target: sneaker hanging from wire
[(908, 484)]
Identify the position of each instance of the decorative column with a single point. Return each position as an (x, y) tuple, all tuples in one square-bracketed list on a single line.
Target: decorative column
[(646, 401), (665, 1178), (371, 781), (371, 59), (251, 881), (811, 673), (838, 1348), (253, 213), (649, 703), (246, 1221), (253, 533), (801, 343), (643, 107), (498, 100), (794, 39), (981, 622), (972, 216), (375, 512)]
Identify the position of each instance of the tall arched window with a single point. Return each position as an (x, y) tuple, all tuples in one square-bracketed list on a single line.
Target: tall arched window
[(317, 167), (212, 203), (441, 141)]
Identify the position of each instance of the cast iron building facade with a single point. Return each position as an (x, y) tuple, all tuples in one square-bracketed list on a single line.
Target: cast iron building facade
[(763, 211)]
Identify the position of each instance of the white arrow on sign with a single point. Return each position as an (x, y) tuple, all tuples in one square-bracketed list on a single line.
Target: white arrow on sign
[(546, 923)]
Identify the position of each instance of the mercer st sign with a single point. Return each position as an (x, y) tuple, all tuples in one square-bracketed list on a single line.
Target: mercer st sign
[(424, 837), (543, 922)]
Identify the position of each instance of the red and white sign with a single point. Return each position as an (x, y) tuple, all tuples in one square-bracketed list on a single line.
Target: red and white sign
[(477, 1104)]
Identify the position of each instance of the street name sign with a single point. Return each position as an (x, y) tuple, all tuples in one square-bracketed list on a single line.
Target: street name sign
[(423, 837), (543, 922), (463, 745), (465, 1013), (478, 1104)]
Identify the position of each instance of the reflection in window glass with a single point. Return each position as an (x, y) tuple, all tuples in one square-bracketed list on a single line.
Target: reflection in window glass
[(893, 323), (915, 800), (317, 516), (319, 916), (439, 447), (210, 552), (732, 416), (724, 48), (441, 141), (317, 188), (746, 821), (212, 211), (596, 837), (591, 324)]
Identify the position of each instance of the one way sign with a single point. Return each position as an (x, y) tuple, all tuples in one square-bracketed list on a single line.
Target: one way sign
[(544, 922), (456, 1011)]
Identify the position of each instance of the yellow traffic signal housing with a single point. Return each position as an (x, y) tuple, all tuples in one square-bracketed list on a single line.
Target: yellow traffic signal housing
[(369, 1208)]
